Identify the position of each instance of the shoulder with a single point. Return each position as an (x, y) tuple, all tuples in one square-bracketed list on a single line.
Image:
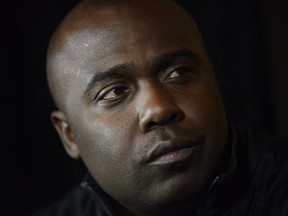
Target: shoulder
[(271, 151), (268, 155), (270, 160), (262, 155)]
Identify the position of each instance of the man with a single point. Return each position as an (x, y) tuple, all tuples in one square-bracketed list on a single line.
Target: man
[(139, 104)]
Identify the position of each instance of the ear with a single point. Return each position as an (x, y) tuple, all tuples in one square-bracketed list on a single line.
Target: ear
[(62, 127)]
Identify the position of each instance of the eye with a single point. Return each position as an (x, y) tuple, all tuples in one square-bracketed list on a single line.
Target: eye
[(114, 93), (180, 72)]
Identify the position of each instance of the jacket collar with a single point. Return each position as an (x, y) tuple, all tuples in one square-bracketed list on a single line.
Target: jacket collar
[(230, 185), (103, 199)]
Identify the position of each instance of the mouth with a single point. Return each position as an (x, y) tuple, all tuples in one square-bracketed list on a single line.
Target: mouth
[(172, 151)]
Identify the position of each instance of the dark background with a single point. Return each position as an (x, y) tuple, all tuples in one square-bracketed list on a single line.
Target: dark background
[(247, 42)]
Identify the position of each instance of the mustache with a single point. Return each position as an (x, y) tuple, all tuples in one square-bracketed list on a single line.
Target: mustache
[(158, 136)]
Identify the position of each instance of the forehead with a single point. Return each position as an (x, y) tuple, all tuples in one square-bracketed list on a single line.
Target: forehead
[(128, 26)]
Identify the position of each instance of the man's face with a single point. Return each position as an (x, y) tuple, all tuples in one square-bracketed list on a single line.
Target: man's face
[(142, 103)]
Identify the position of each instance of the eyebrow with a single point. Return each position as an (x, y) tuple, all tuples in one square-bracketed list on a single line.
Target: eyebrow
[(166, 60), (121, 70), (114, 72)]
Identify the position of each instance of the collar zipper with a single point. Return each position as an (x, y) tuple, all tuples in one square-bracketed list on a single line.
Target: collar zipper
[(207, 195)]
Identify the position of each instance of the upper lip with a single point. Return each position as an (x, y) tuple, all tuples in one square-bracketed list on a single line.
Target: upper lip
[(168, 146)]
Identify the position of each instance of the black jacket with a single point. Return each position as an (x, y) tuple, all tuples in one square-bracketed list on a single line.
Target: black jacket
[(256, 184)]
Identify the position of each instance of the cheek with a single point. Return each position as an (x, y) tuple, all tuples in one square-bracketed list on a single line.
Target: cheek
[(105, 143), (106, 148), (204, 106)]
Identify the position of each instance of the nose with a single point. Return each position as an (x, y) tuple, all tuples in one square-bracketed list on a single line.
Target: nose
[(157, 108)]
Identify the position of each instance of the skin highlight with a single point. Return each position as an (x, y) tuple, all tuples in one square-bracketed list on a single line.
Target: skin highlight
[(138, 103)]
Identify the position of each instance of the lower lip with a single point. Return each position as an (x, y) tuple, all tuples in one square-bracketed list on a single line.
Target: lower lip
[(174, 157)]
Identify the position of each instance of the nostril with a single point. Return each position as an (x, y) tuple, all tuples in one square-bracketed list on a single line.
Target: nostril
[(174, 117), (151, 125)]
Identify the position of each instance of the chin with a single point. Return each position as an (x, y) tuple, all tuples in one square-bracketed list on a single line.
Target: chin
[(173, 200), (179, 188)]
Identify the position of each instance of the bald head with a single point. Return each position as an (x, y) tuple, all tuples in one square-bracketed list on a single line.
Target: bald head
[(98, 19)]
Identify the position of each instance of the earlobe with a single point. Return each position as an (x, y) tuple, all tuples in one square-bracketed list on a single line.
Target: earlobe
[(64, 131)]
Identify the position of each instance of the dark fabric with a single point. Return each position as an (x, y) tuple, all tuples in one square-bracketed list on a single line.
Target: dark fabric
[(255, 184)]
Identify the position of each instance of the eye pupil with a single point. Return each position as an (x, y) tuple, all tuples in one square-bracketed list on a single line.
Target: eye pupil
[(181, 71), (118, 91)]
